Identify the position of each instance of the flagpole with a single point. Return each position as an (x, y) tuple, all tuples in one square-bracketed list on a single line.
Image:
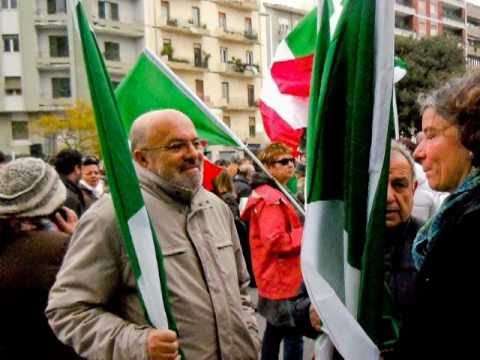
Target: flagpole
[(201, 105)]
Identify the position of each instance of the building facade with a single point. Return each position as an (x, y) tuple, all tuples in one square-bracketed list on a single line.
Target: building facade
[(41, 70), (417, 18), (473, 35), (276, 21), (458, 18), (215, 48)]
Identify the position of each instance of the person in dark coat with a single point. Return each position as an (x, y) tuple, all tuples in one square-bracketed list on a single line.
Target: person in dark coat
[(443, 318), (33, 239), (68, 164)]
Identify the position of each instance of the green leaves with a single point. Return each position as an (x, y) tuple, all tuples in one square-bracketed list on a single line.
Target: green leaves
[(431, 61)]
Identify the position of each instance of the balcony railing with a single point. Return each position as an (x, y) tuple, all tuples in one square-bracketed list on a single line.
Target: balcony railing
[(184, 26), (46, 20), (248, 36), (239, 4)]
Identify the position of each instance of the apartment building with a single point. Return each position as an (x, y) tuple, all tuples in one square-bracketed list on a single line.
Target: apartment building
[(214, 47), (40, 63), (417, 18), (276, 21), (473, 35)]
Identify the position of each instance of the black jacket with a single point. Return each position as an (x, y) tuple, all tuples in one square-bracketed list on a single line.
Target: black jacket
[(445, 314)]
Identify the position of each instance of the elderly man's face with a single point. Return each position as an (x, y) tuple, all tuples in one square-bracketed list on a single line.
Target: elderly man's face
[(175, 153), (401, 187)]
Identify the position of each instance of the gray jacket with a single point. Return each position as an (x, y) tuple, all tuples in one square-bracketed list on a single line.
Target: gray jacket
[(94, 305)]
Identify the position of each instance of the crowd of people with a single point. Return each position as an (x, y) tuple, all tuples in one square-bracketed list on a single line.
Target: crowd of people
[(66, 280)]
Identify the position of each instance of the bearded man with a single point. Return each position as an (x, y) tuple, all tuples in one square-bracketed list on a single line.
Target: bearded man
[(94, 305)]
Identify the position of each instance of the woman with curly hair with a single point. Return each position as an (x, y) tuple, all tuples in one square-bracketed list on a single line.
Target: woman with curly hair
[(446, 248)]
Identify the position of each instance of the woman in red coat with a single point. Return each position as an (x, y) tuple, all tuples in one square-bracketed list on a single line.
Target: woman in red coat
[(275, 239)]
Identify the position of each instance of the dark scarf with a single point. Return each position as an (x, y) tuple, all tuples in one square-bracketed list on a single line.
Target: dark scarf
[(428, 234)]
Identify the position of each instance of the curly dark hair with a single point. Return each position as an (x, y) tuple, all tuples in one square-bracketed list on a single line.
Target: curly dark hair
[(458, 102)]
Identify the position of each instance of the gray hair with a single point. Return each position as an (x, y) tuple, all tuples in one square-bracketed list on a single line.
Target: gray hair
[(401, 149), (458, 102)]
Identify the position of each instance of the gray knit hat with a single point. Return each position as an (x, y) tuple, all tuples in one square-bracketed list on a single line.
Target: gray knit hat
[(30, 187)]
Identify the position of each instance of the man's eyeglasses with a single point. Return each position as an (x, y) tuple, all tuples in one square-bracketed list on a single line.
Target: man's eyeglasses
[(285, 161), (180, 146)]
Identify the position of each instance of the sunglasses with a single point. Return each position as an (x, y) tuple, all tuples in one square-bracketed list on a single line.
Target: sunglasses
[(285, 161)]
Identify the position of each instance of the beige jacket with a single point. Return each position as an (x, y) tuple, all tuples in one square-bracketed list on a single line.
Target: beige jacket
[(94, 306)]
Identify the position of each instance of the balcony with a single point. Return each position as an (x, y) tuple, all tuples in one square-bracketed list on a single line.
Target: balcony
[(181, 26), (245, 37), (405, 7), (405, 32), (236, 104), (247, 5), (109, 27), (45, 62), (453, 21), (43, 20), (184, 65), (47, 102), (117, 67), (455, 3), (238, 69), (473, 31)]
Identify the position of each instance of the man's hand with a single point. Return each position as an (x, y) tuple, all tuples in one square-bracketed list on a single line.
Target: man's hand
[(162, 345), (315, 319), (68, 223)]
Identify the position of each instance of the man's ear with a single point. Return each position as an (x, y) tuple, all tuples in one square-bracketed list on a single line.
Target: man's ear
[(140, 158)]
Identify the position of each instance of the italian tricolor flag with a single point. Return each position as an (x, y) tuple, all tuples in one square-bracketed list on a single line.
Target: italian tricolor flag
[(285, 91), (347, 171)]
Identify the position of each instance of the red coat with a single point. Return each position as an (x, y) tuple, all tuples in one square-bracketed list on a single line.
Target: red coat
[(275, 240)]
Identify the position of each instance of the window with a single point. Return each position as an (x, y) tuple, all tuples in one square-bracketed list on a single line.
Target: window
[(114, 12), (20, 130), (56, 6), (251, 126), (223, 55), (13, 85), (165, 11), (108, 10), (283, 27), (227, 121), (433, 29), (249, 57), (58, 46), (61, 88), (112, 51), (102, 9), (422, 27), (222, 21), (199, 89), (225, 91), (251, 95), (196, 16), (197, 55), (421, 7), (10, 43), (167, 48), (433, 10), (248, 25), (9, 4)]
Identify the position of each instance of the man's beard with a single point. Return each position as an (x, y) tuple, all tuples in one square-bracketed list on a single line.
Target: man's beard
[(178, 178)]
